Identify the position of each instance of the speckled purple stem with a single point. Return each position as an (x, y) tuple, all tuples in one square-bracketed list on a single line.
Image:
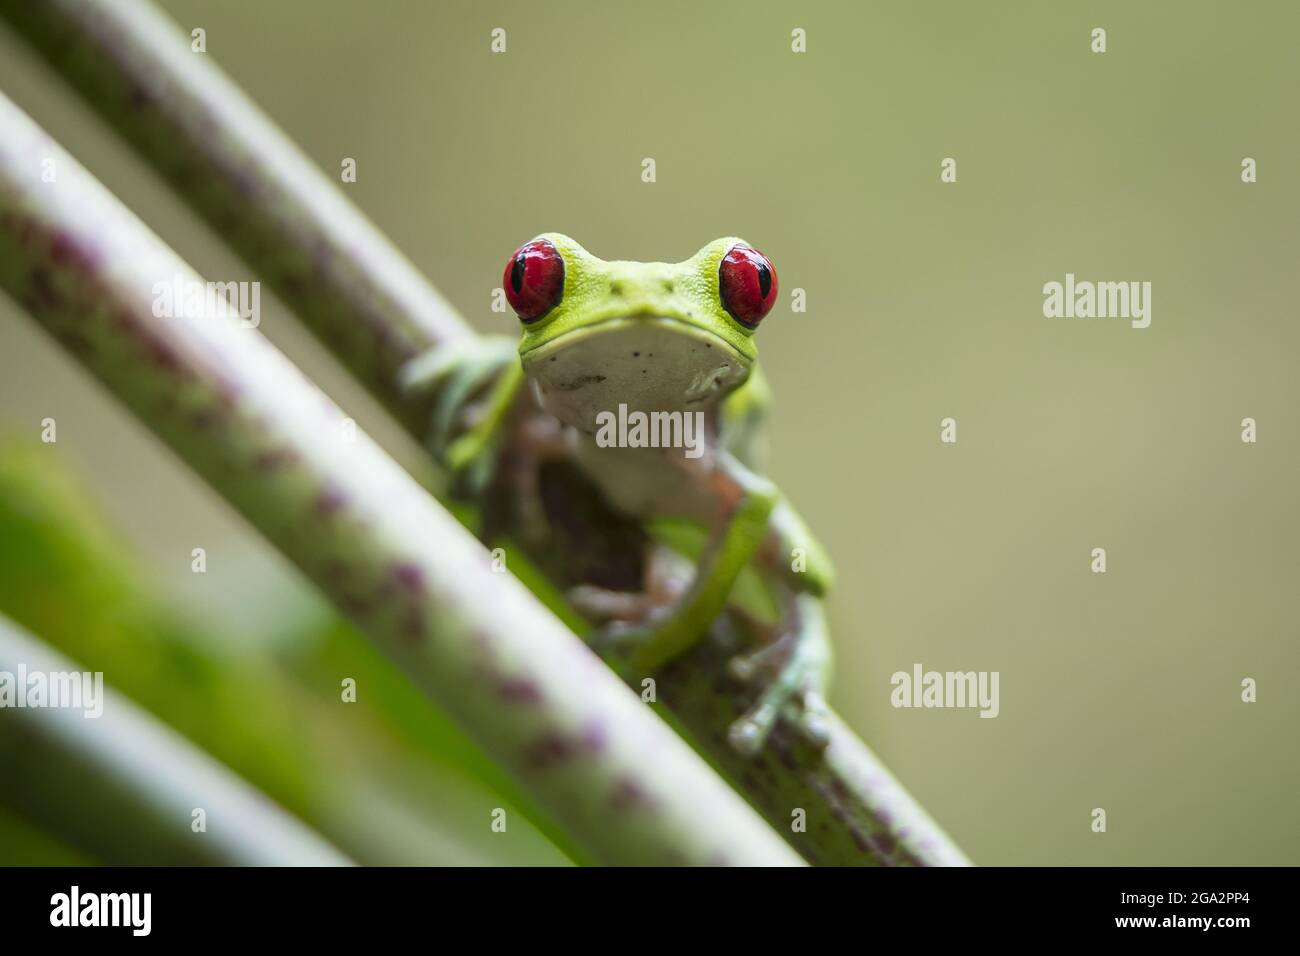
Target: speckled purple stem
[(597, 760), (374, 311)]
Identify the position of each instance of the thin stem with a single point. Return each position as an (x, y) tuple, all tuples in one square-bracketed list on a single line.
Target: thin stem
[(123, 761), (245, 418), (200, 131)]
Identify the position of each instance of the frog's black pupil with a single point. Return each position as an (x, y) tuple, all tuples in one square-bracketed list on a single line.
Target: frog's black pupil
[(517, 275), (764, 280)]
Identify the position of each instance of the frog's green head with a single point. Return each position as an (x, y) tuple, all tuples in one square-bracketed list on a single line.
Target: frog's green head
[(654, 336)]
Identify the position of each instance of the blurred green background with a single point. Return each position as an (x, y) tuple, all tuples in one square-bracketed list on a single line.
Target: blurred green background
[(1120, 690)]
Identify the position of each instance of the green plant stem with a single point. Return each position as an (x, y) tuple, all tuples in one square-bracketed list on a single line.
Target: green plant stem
[(370, 307), (114, 766), (239, 413)]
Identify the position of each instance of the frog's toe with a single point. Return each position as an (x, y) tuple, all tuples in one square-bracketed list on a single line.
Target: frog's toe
[(748, 734), (459, 376), (432, 369), (793, 692), (604, 605), (748, 666), (812, 715)]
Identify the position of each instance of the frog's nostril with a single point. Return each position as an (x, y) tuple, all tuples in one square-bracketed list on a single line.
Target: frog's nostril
[(616, 288), (668, 285)]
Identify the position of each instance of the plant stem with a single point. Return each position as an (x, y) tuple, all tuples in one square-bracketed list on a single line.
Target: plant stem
[(113, 765), (334, 268), (264, 198), (240, 414)]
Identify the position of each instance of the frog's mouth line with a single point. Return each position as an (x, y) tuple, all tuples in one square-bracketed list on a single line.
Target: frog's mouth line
[(677, 326)]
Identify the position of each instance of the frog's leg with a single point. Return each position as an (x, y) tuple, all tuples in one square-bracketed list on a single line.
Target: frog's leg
[(458, 374), (794, 671), (746, 502), (473, 444), (667, 576)]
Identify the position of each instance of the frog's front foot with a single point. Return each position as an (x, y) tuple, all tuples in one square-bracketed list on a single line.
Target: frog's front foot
[(791, 674), (473, 382)]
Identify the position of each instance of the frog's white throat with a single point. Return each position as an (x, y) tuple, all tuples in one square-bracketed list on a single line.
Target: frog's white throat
[(644, 364)]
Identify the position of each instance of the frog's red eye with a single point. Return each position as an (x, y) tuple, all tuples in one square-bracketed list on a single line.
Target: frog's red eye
[(534, 279), (747, 283)]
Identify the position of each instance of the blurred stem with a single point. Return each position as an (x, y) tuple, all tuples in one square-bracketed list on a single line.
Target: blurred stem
[(276, 209), (247, 420), (374, 311), (112, 766), (358, 774)]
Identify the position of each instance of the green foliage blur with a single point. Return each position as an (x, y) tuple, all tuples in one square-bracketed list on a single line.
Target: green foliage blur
[(387, 778)]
